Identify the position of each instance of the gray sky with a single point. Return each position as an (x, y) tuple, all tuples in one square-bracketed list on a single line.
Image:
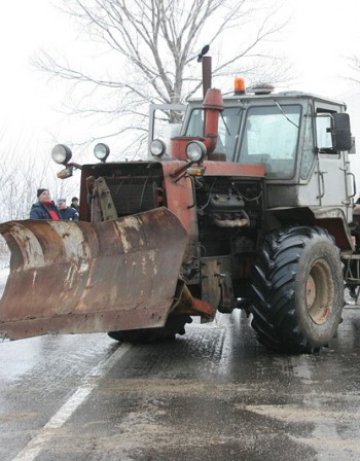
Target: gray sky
[(320, 33)]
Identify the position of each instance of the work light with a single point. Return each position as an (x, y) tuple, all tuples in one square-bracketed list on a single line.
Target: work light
[(157, 147), (61, 154), (101, 151), (195, 151)]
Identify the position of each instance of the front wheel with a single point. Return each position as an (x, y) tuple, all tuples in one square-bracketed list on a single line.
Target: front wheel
[(298, 290)]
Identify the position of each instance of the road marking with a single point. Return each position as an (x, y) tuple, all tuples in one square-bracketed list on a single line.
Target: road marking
[(34, 447)]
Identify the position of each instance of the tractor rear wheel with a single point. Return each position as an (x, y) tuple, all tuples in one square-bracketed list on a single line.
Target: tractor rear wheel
[(174, 325), (298, 290)]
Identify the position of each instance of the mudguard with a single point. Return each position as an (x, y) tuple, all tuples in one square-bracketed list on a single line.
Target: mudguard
[(75, 277)]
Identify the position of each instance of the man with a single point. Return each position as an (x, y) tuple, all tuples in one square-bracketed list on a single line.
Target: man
[(67, 212), (44, 208), (75, 204), (356, 209)]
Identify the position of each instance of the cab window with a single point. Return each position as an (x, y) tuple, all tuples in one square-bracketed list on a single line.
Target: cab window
[(324, 141), (270, 136)]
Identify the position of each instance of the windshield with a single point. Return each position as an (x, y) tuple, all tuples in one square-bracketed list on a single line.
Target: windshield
[(271, 137), (229, 122)]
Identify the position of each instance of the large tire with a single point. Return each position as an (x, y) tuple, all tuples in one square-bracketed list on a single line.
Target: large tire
[(298, 290), (174, 325)]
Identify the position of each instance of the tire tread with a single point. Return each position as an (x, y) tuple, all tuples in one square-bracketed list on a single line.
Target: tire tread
[(274, 315)]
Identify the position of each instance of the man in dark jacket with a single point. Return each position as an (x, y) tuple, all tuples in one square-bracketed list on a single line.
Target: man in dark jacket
[(45, 208), (75, 204), (67, 212), (356, 209)]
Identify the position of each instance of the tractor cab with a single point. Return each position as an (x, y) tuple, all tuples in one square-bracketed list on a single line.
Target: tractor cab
[(265, 128)]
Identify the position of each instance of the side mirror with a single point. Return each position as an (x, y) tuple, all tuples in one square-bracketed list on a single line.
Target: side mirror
[(341, 132)]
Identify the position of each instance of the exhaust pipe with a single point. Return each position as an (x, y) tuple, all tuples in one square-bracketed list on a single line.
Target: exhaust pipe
[(213, 105)]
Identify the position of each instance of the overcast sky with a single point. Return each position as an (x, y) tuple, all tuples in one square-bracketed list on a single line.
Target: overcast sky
[(320, 34)]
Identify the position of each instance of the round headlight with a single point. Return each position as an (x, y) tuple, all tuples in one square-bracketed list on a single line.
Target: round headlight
[(61, 154), (195, 151), (101, 151), (157, 147)]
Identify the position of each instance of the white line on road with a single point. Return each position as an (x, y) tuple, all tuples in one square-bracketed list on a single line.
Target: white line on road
[(34, 447)]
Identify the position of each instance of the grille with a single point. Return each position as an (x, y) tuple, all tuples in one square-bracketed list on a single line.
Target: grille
[(134, 195)]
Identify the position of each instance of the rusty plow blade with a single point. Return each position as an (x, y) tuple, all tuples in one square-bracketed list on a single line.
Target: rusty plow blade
[(74, 277)]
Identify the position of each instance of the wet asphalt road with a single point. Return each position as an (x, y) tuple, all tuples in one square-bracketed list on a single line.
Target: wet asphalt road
[(214, 394)]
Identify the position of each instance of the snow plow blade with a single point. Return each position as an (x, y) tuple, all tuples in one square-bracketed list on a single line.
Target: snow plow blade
[(77, 277)]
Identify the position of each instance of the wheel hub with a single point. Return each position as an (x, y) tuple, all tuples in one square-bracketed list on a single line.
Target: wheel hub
[(320, 292)]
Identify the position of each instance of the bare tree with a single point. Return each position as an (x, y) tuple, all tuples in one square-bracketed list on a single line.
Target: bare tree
[(153, 41), (353, 69)]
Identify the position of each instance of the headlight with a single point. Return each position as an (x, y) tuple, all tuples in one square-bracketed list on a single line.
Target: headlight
[(157, 147), (101, 151), (195, 151), (61, 154)]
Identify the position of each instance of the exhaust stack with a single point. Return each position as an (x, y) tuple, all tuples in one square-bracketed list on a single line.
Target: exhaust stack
[(213, 105)]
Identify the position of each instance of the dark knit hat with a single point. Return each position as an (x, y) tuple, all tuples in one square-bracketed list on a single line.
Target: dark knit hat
[(40, 191)]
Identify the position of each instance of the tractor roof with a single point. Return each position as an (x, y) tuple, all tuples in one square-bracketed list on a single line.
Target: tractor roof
[(282, 95)]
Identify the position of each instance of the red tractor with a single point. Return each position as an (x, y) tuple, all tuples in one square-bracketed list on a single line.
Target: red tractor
[(250, 206)]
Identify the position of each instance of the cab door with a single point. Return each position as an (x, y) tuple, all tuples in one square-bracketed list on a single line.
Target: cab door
[(333, 166)]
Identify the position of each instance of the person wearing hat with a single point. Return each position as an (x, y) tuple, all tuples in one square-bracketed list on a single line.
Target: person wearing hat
[(44, 208), (67, 212)]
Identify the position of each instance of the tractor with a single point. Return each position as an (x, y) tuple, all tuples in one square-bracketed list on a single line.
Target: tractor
[(248, 206)]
